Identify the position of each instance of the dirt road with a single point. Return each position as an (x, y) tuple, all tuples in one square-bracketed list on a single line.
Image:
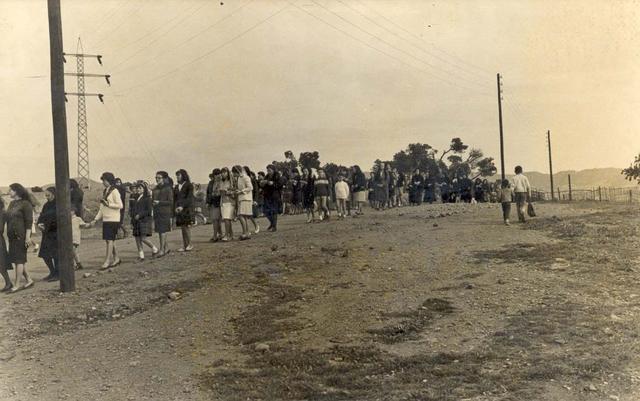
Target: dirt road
[(424, 303)]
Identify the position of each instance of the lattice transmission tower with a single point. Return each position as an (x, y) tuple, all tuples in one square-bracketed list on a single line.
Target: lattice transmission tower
[(83, 135), (83, 140)]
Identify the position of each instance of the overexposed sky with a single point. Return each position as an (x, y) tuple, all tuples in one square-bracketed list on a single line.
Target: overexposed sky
[(201, 84)]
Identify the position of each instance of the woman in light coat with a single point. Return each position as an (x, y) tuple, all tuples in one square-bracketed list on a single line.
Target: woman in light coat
[(244, 193), (109, 213)]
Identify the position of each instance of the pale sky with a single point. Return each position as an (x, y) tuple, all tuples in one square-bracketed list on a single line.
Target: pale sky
[(200, 84)]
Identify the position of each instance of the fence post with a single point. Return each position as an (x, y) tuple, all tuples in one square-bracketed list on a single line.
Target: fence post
[(631, 196), (600, 194), (570, 193)]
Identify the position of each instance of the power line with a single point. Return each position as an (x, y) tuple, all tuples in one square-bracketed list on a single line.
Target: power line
[(129, 15), (195, 60), (164, 25), (485, 85), (139, 137), (379, 50), (393, 47), (422, 40), (108, 16), (113, 12), (183, 42)]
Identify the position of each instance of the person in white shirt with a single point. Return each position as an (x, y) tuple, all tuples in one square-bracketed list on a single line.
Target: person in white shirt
[(342, 194), (109, 213), (522, 190)]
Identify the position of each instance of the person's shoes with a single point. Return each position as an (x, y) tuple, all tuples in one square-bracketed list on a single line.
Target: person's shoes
[(181, 249), (257, 230), (506, 223), (189, 248), (244, 237), (139, 260), (79, 266), (47, 277), (51, 279), (116, 263), (31, 282), (7, 288), (273, 229)]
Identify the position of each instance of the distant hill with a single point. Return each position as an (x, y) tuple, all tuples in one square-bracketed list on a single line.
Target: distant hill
[(583, 179)]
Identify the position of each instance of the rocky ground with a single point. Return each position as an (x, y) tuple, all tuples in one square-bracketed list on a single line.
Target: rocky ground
[(420, 303)]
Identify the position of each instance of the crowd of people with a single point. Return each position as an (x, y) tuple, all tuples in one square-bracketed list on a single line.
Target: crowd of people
[(236, 194)]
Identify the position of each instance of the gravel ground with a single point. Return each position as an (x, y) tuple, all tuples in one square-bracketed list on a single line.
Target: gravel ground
[(437, 302)]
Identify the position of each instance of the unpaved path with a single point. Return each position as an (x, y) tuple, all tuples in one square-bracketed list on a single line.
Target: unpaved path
[(426, 303)]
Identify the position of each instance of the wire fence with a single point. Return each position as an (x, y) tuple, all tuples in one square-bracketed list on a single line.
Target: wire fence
[(600, 194)]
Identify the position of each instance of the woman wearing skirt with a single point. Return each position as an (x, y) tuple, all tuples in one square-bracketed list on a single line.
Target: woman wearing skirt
[(5, 265), (109, 213), (184, 199)]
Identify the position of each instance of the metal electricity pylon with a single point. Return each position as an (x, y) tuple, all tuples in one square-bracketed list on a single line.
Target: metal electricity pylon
[(83, 138)]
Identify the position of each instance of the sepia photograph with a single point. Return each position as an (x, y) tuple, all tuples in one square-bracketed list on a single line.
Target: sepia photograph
[(322, 200)]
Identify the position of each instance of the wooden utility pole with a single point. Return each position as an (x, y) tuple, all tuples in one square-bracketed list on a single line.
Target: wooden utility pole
[(61, 150), (570, 189), (551, 166), (501, 133)]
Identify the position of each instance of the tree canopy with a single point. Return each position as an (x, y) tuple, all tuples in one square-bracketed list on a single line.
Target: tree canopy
[(632, 173)]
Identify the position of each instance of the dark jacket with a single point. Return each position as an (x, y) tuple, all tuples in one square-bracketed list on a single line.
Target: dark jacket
[(164, 195), (213, 198), (359, 182), (77, 198), (19, 218), (184, 197), (272, 192), (141, 207), (49, 244)]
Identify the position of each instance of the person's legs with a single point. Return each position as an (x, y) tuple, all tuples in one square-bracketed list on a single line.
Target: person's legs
[(19, 267), (506, 212), (109, 251), (243, 224), (256, 226), (228, 228), (324, 206), (164, 244), (186, 236), (520, 204), (150, 244), (5, 275), (49, 263)]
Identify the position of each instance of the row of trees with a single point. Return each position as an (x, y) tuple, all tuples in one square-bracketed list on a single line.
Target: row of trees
[(457, 161)]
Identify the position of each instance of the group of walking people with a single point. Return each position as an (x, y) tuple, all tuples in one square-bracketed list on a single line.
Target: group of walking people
[(236, 194)]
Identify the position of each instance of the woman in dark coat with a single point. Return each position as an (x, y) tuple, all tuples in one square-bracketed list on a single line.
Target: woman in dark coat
[(184, 201), (271, 190), (163, 209), (307, 182), (19, 218), (5, 265), (47, 223), (359, 187), (416, 188), (77, 198), (141, 221)]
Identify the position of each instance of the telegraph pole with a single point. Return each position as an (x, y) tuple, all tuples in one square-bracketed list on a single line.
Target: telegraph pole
[(551, 166), (61, 149), (501, 133)]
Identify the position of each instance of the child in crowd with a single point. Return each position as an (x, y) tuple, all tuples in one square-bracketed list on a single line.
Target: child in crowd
[(342, 194), (506, 198), (141, 218), (322, 195), (76, 224)]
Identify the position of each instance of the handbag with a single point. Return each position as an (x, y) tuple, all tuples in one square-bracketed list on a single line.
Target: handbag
[(530, 210)]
